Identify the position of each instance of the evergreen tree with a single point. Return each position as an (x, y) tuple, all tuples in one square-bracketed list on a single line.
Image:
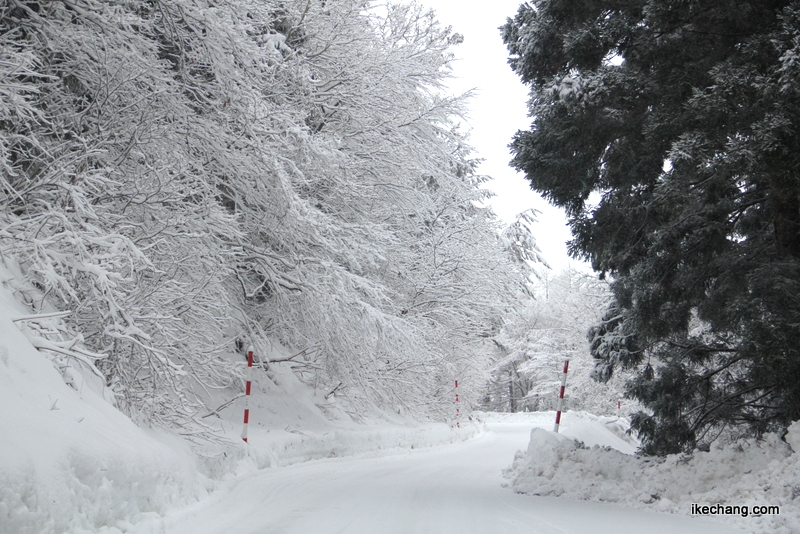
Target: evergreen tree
[(667, 130)]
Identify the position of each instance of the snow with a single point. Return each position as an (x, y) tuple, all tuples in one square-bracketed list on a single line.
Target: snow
[(746, 473), (70, 462), (793, 437), (455, 488)]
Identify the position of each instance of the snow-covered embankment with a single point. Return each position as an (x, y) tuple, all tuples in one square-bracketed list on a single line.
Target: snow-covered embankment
[(71, 462)]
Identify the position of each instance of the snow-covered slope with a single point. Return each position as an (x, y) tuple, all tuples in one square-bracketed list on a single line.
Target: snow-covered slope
[(70, 462)]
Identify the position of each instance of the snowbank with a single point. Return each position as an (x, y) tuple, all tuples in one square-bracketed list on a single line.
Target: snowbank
[(273, 447), (749, 473)]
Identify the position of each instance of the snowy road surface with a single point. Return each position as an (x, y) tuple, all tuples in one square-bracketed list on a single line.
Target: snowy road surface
[(448, 489)]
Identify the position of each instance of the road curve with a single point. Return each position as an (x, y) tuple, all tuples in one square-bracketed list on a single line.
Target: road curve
[(441, 490)]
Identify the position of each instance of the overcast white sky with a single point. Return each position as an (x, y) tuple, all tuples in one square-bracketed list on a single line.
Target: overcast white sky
[(496, 112)]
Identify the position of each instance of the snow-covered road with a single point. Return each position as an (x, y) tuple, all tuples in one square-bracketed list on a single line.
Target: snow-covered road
[(447, 489)]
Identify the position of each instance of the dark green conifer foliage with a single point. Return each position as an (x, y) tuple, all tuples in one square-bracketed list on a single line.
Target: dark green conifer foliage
[(668, 130)]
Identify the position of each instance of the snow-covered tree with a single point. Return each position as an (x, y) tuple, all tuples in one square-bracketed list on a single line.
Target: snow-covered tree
[(551, 329), (667, 130), (187, 178)]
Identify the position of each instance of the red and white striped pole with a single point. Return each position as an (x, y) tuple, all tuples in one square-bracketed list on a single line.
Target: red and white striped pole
[(458, 410), (249, 378), (561, 395)]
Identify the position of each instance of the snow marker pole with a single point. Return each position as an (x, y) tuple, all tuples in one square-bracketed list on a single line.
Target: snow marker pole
[(249, 378), (561, 395), (458, 410), (619, 406)]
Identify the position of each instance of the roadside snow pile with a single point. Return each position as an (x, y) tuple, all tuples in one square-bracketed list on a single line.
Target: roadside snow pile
[(748, 473), (584, 427), (599, 430), (270, 448)]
